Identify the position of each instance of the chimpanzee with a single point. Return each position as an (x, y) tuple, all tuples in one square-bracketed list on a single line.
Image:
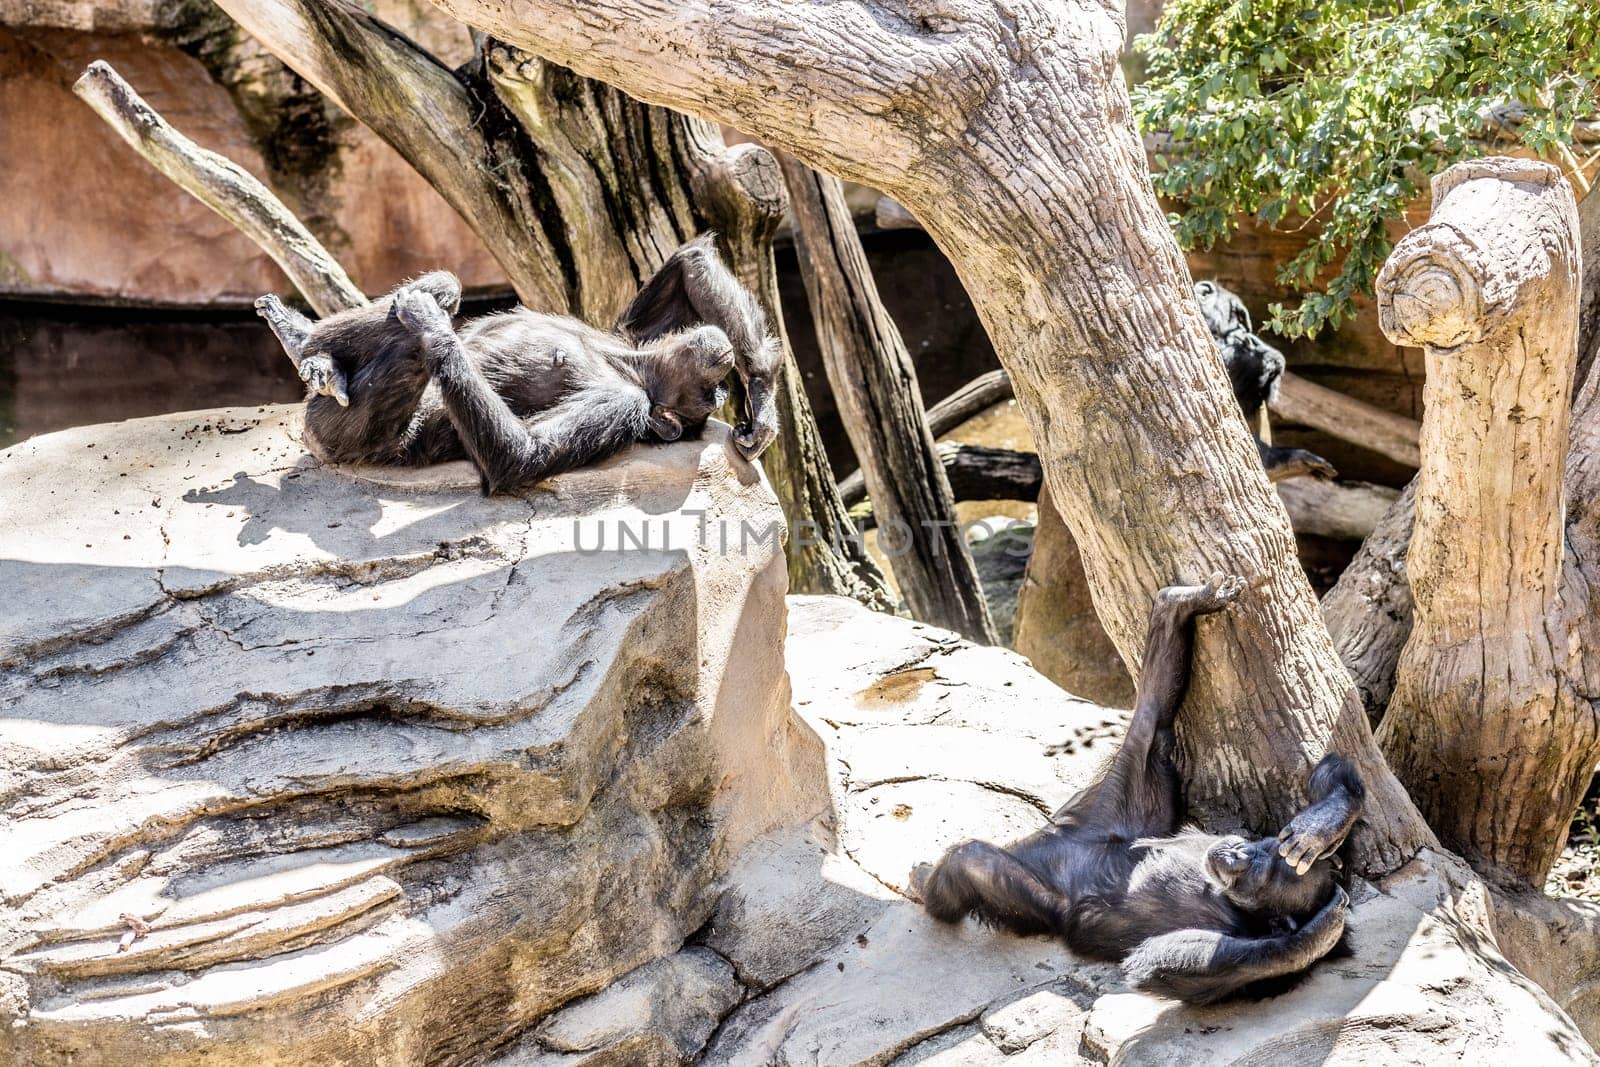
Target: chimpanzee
[(527, 395), (1254, 368), (1190, 915)]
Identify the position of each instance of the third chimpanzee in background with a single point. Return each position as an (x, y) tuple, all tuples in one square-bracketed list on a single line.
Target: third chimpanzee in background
[(526, 395), (1254, 368), (1191, 915)]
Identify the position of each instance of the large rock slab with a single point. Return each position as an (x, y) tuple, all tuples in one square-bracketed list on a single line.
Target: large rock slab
[(301, 766), (931, 740)]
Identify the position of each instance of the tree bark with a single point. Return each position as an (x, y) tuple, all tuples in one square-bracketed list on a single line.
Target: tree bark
[(1006, 130), (875, 385), (1369, 610), (224, 187), (580, 193), (1485, 728)]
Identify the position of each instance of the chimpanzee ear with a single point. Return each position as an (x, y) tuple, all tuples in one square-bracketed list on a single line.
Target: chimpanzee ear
[(665, 424)]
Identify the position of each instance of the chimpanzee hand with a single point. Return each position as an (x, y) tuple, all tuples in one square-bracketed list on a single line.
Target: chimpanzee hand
[(324, 378), (752, 439)]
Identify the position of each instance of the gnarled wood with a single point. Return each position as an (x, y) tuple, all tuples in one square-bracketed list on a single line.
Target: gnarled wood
[(225, 187), (1369, 611), (1484, 727), (875, 385), (1005, 129)]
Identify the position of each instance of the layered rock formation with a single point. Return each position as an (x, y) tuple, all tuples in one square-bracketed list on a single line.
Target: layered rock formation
[(311, 766), (299, 767)]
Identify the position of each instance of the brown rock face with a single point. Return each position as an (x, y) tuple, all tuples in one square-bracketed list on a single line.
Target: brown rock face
[(84, 216)]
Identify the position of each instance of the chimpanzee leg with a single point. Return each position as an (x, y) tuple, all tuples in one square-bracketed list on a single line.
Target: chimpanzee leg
[(288, 325), (982, 879), (378, 417), (1321, 827), (1139, 794), (1202, 966)]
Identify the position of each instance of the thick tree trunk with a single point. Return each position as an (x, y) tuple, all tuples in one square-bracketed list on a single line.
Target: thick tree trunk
[(875, 385), (1369, 611), (1485, 728), (1005, 129), (579, 192), (1057, 626)]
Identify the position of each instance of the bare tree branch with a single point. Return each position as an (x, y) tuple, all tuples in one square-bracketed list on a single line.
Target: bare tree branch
[(224, 187)]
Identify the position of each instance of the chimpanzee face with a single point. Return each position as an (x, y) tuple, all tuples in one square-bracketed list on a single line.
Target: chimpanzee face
[(1253, 876)]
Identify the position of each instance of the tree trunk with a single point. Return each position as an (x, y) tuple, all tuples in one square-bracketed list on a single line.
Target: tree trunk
[(1485, 727), (1369, 610), (1057, 626), (875, 385), (578, 191), (1005, 129)]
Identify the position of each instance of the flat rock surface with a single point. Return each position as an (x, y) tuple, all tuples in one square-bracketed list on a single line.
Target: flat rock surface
[(301, 767), (931, 740)]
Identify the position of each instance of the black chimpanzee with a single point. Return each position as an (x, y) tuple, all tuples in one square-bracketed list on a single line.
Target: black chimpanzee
[(1191, 915), (526, 395), (1254, 368)]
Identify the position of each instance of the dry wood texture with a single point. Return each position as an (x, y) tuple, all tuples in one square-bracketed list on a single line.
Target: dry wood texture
[(875, 385), (225, 187), (1485, 728)]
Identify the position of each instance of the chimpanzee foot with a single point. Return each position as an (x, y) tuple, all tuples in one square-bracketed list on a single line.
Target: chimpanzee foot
[(419, 311), (288, 326), (918, 880), (324, 378), (1187, 601), (1284, 463)]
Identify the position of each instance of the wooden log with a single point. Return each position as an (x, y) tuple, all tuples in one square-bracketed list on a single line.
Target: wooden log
[(1486, 727), (1348, 419), (224, 187), (875, 384)]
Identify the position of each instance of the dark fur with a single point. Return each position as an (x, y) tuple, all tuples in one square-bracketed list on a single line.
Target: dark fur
[(1191, 915), (526, 395), (1254, 369)]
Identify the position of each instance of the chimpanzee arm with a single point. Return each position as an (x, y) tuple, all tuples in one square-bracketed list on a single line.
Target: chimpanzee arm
[(1321, 827), (1138, 794), (509, 451), (1202, 966), (694, 288)]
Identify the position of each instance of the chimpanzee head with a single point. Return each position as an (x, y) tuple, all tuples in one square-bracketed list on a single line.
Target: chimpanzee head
[(1254, 366), (1253, 876), (686, 385)]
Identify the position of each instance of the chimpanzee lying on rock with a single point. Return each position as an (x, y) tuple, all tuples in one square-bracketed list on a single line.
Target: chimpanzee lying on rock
[(1254, 368), (1191, 915), (526, 395)]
